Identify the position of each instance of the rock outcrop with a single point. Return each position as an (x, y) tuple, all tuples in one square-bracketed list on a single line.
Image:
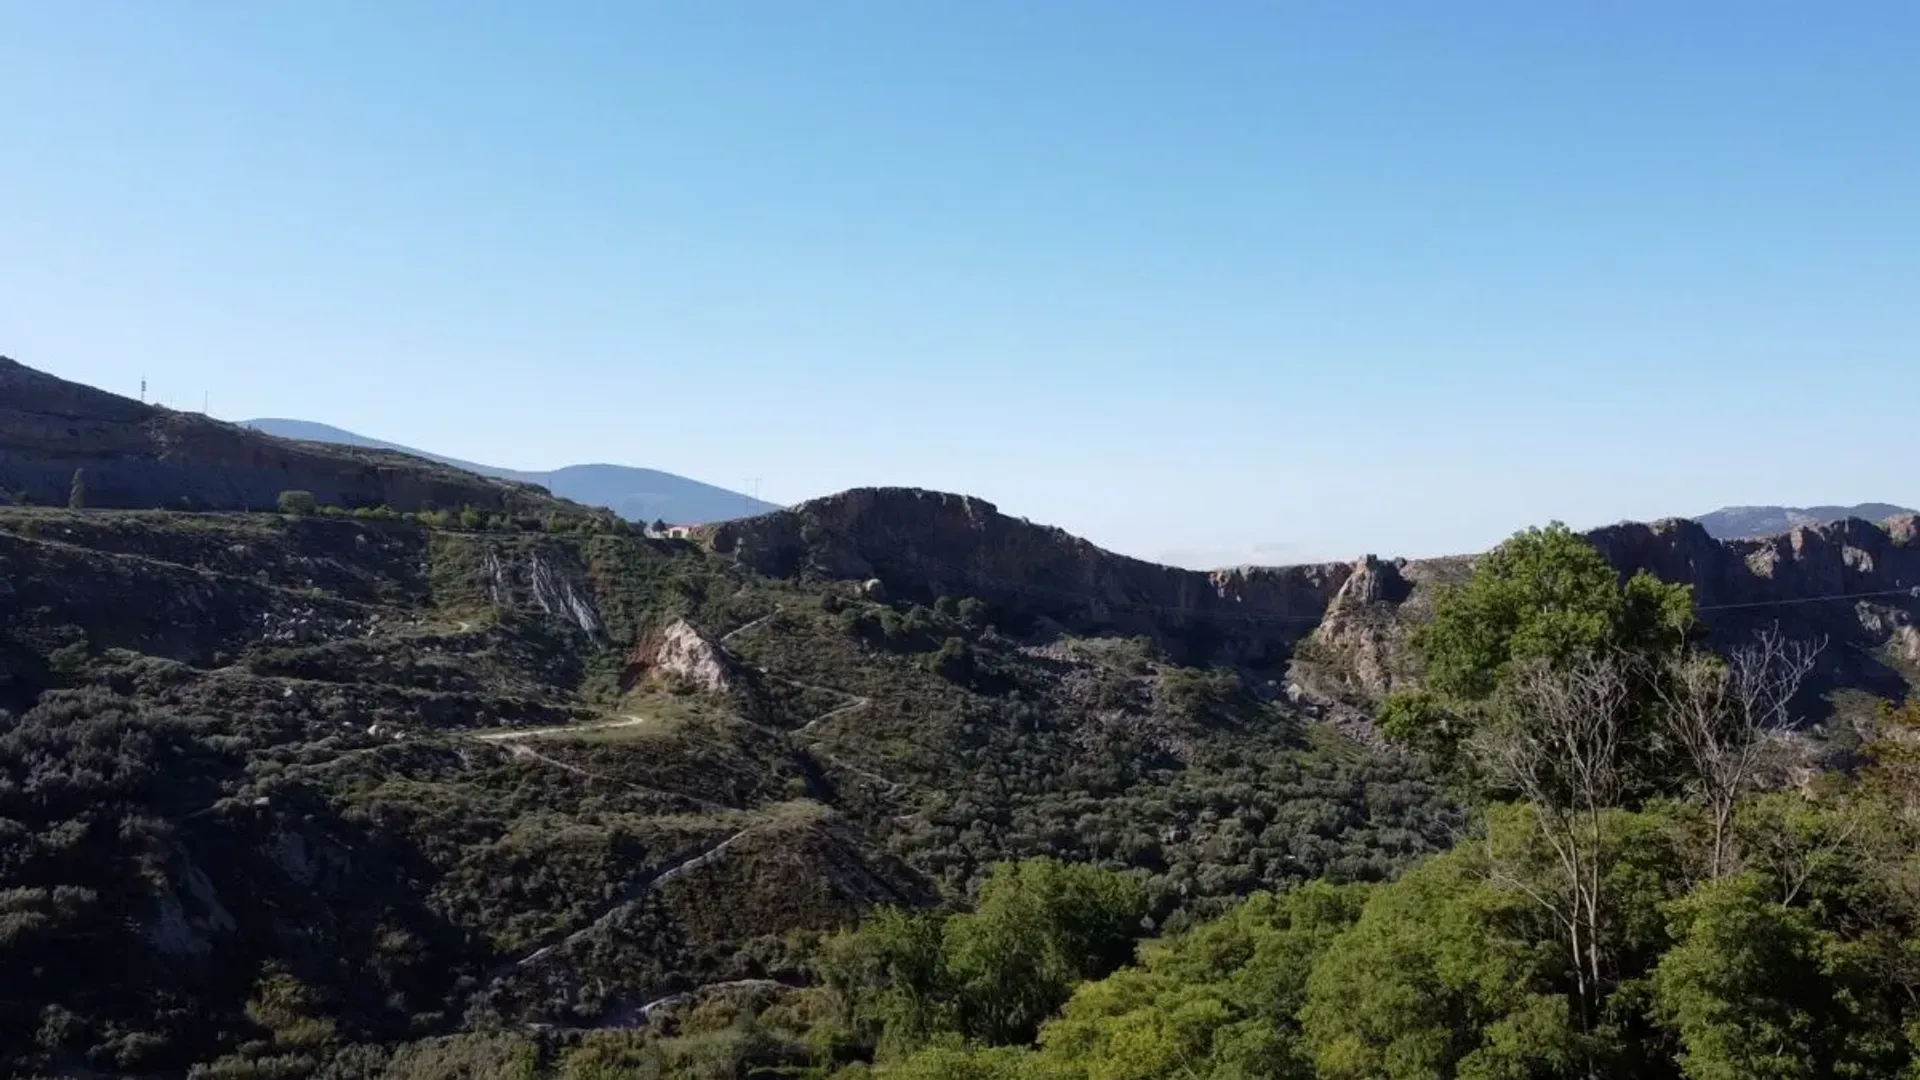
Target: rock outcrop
[(920, 545), (138, 456), (683, 652), (1846, 581)]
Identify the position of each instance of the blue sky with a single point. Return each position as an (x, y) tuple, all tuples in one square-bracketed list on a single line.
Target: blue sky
[(1209, 282)]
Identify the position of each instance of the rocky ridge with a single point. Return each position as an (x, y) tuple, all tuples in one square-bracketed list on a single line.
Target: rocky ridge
[(921, 544)]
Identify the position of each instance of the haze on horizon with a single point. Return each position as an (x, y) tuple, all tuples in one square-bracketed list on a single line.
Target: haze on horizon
[(1259, 284)]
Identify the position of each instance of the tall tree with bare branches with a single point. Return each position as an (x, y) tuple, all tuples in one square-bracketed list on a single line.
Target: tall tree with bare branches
[(1562, 749), (1725, 716)]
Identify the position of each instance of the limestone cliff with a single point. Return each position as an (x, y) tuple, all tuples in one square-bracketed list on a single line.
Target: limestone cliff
[(138, 456)]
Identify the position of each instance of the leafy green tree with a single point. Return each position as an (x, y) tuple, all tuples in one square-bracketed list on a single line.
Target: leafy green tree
[(297, 503), (1545, 595), (952, 661), (963, 1063), (1543, 599), (471, 519), (1756, 989), (1218, 1000), (891, 976), (292, 1011), (1440, 977), (1039, 928), (1893, 754), (992, 975)]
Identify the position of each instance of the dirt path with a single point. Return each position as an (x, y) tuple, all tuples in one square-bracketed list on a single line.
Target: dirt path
[(522, 750), (641, 886), (891, 785), (567, 729), (761, 621), (857, 704), (645, 1012)]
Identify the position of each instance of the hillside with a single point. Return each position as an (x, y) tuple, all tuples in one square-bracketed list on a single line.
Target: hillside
[(642, 495), (1754, 522), (298, 795), (446, 781), (136, 456)]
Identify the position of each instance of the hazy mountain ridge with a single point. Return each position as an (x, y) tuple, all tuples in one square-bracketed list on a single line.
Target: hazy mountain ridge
[(637, 494), (127, 454), (1753, 522)]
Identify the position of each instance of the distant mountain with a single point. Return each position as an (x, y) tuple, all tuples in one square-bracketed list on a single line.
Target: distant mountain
[(60, 438), (634, 494), (1749, 522)]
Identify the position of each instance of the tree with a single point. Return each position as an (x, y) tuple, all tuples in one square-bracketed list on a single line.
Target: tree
[(659, 527), (77, 492), (1561, 750), (1546, 595), (297, 503), (991, 975), (1433, 981), (1724, 715), (1544, 600), (1039, 928), (1754, 988), (1893, 755)]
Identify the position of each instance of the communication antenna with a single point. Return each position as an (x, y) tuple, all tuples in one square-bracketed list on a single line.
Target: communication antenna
[(754, 482), (143, 389)]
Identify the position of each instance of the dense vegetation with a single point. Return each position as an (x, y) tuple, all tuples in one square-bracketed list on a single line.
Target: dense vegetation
[(280, 796), (362, 796), (1640, 893)]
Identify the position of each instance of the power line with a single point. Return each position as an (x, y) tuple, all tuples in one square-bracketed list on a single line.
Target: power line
[(1913, 592)]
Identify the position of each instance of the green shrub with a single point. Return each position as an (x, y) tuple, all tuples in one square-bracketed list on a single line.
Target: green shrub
[(297, 503)]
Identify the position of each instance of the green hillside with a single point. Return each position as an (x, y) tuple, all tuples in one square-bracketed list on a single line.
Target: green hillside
[(273, 786)]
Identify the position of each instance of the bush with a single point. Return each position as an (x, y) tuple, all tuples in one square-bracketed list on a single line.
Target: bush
[(297, 503)]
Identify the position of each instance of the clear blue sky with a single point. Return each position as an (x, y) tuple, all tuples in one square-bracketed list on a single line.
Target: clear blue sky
[(1207, 282)]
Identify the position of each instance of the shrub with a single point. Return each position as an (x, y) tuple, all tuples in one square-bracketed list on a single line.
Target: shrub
[(297, 503)]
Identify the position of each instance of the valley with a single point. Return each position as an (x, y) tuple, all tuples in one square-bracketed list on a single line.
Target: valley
[(442, 772)]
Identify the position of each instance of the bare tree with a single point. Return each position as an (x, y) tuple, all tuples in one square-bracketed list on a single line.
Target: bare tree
[(1725, 716), (1562, 751)]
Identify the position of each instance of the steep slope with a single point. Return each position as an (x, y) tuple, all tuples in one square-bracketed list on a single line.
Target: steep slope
[(635, 494), (1754, 522), (131, 455)]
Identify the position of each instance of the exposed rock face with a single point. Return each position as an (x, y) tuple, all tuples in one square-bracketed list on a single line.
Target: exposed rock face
[(1363, 630), (683, 651), (543, 581), (921, 545), (140, 456)]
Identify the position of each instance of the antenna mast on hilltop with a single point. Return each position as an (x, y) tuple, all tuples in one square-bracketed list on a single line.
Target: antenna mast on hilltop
[(143, 389), (754, 482)]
